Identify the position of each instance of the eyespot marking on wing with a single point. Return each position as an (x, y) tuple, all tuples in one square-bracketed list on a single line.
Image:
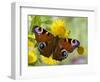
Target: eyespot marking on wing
[(38, 30)]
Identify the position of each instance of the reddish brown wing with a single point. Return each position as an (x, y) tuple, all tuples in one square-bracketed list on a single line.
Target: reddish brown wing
[(64, 47), (45, 41)]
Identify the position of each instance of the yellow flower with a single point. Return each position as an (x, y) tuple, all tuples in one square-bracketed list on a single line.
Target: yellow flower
[(67, 33), (30, 43), (58, 28), (80, 50), (32, 36), (49, 60), (32, 58)]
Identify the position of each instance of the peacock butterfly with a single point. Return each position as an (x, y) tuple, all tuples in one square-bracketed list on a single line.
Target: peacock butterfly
[(49, 44)]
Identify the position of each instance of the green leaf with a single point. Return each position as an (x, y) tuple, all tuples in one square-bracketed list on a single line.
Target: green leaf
[(35, 21)]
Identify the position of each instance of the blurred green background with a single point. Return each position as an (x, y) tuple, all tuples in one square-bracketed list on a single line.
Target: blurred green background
[(78, 27)]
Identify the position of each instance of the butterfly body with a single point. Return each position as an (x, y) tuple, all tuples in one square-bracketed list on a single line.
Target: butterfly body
[(49, 44)]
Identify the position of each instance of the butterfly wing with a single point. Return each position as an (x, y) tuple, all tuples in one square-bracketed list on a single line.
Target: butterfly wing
[(64, 47), (44, 40)]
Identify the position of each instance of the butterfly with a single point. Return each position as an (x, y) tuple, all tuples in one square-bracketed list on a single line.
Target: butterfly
[(49, 44)]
